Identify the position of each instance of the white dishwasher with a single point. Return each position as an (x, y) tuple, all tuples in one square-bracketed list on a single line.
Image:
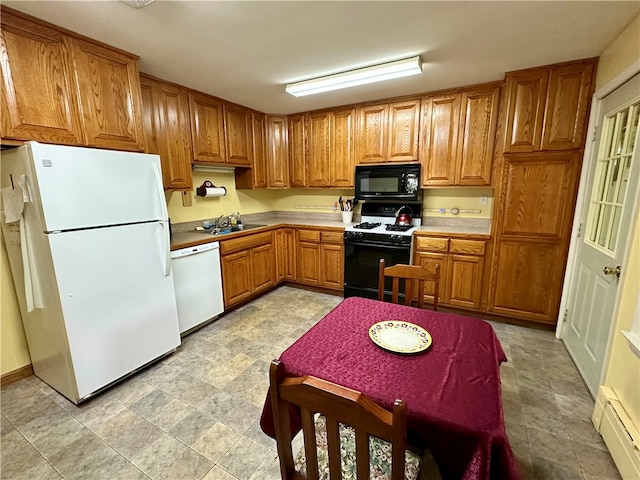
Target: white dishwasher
[(198, 284)]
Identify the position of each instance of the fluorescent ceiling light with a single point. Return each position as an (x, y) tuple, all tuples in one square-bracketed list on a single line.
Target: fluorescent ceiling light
[(137, 3), (361, 76)]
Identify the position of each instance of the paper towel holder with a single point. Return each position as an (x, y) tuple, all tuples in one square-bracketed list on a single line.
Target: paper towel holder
[(208, 189)]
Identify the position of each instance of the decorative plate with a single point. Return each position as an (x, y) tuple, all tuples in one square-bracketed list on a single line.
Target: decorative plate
[(400, 337)]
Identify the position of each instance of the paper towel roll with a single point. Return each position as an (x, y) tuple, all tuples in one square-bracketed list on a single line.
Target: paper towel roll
[(215, 192), (208, 189)]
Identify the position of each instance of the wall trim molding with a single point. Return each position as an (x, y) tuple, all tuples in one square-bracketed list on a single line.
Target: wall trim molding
[(15, 375)]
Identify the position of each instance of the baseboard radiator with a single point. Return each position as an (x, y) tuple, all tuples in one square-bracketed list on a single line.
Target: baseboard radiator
[(619, 433)]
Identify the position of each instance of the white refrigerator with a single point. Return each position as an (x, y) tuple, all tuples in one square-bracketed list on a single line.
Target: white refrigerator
[(87, 236)]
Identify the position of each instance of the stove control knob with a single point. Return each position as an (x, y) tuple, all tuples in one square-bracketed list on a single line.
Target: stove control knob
[(395, 238), (349, 234), (359, 235)]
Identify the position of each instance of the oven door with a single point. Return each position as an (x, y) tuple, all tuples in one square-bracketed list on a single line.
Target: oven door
[(361, 265)]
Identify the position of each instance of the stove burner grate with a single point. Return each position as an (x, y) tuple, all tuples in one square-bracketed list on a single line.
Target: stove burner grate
[(367, 225)]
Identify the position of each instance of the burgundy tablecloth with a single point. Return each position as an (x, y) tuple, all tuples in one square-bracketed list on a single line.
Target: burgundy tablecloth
[(452, 390)]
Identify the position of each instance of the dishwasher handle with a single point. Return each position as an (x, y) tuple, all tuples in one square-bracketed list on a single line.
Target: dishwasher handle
[(185, 252)]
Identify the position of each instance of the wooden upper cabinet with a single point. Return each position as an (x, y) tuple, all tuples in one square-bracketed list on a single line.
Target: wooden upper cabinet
[(207, 128), (440, 135), (319, 159), (479, 116), (277, 151), (167, 130), (372, 141), (109, 87), (458, 133), (388, 132), (237, 123), (527, 93), (548, 107), (403, 123), (39, 95), (297, 151), (342, 143), (257, 175), (567, 106)]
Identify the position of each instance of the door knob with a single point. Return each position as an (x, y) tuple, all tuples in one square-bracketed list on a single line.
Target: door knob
[(612, 270)]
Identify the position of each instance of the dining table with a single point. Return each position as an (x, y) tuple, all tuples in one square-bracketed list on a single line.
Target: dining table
[(452, 388)]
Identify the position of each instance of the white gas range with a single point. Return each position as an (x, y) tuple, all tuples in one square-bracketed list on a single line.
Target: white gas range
[(376, 237)]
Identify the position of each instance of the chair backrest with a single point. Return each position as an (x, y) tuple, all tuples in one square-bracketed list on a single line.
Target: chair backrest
[(338, 405), (410, 274)]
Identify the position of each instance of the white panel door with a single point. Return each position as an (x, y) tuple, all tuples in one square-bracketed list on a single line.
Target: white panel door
[(119, 307), (603, 244), (87, 187)]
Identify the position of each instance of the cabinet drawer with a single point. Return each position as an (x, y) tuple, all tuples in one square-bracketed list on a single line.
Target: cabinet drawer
[(475, 247), (309, 236), (332, 237), (432, 244), (245, 243)]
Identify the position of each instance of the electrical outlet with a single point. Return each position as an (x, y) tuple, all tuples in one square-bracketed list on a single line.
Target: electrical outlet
[(484, 199)]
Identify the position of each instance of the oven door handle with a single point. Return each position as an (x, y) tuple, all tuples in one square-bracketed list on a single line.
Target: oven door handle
[(379, 245)]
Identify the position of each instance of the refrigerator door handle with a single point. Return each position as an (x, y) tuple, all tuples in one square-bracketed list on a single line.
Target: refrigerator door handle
[(33, 293), (166, 249), (164, 214)]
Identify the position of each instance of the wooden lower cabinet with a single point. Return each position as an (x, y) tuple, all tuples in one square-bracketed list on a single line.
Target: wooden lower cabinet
[(236, 277), (309, 263), (285, 254), (247, 266), (321, 258), (461, 269)]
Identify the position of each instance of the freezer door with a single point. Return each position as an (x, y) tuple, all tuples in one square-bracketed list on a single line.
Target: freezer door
[(87, 187), (118, 305)]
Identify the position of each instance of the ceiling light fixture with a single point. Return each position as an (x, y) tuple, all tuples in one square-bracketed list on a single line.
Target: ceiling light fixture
[(361, 76), (137, 3)]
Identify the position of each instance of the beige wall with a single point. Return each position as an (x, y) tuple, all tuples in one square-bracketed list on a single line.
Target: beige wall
[(13, 345), (623, 367), (621, 53)]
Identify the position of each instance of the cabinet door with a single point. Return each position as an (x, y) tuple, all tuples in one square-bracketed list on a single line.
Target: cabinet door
[(479, 114), (285, 254), (568, 102), (297, 168), (403, 123), (309, 263), (39, 94), (318, 149), (263, 273), (430, 260), (166, 122), (109, 86), (372, 138), (332, 266), (465, 281), (207, 128), (277, 154), (237, 124), (236, 277), (342, 148), (527, 93), (256, 176), (533, 227), (441, 116)]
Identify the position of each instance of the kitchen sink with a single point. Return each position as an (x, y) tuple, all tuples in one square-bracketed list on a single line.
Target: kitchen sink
[(224, 231)]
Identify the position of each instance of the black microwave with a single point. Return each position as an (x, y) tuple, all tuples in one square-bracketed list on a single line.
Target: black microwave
[(387, 182)]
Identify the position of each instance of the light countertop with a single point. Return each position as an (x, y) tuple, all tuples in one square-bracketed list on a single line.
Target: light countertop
[(185, 235)]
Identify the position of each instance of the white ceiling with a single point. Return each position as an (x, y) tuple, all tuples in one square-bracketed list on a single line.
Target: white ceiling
[(246, 52)]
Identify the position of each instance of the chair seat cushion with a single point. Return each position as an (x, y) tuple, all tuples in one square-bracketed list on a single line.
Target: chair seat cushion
[(379, 454)]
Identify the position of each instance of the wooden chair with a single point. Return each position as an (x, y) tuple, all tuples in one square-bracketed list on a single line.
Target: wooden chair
[(359, 417), (410, 273)]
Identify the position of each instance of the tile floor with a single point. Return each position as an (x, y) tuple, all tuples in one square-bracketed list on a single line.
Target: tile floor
[(195, 414)]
